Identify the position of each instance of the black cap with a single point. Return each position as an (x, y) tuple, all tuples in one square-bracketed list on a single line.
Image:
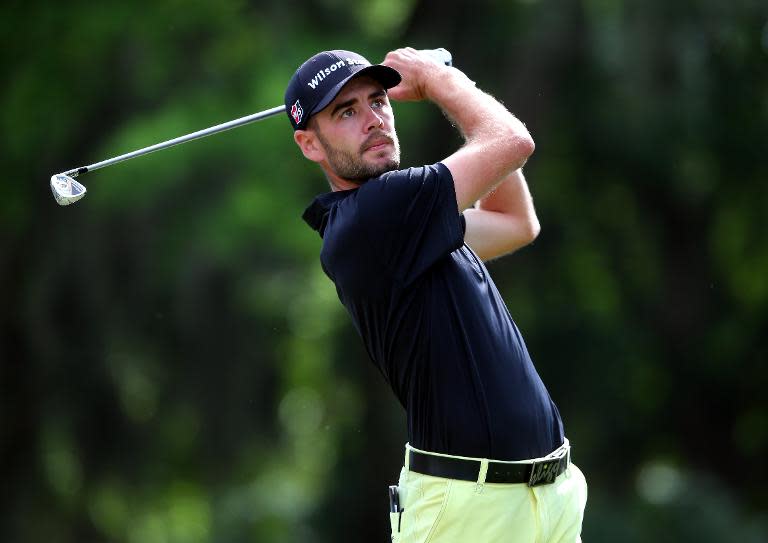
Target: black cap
[(317, 82)]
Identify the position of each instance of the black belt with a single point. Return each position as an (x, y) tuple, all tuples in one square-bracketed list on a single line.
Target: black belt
[(534, 473)]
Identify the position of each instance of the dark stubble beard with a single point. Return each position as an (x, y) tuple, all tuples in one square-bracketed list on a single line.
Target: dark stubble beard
[(352, 167)]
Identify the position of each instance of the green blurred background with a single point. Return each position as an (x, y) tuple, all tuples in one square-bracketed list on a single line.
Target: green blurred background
[(176, 368)]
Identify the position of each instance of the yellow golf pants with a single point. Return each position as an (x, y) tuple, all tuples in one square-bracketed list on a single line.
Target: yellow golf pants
[(439, 510)]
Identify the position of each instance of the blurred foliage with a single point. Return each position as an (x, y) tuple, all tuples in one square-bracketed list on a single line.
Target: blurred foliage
[(174, 365)]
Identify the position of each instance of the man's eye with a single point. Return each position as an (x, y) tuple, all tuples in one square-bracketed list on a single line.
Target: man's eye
[(378, 103), (347, 113)]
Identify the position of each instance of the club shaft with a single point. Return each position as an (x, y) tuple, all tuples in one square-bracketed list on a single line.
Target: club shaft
[(181, 139), (439, 55)]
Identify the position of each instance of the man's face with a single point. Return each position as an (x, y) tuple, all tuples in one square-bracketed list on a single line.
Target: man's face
[(357, 132)]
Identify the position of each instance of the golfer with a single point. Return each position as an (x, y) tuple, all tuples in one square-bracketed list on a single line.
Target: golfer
[(487, 459)]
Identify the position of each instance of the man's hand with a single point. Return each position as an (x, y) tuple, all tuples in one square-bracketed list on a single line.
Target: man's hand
[(416, 69), (496, 146), (496, 142)]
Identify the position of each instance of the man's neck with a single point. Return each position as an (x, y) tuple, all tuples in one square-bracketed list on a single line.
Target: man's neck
[(337, 183)]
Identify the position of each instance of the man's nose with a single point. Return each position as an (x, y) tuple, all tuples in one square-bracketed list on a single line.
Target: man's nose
[(374, 120)]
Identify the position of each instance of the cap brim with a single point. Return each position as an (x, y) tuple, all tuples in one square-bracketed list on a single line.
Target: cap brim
[(388, 77)]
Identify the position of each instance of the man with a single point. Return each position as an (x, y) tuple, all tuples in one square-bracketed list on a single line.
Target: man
[(487, 459)]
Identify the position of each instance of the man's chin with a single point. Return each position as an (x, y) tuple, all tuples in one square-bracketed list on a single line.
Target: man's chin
[(372, 171), (388, 166)]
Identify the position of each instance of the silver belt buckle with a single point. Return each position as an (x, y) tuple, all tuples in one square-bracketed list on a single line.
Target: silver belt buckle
[(544, 472)]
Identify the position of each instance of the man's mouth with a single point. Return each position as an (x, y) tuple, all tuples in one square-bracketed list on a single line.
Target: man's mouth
[(377, 144)]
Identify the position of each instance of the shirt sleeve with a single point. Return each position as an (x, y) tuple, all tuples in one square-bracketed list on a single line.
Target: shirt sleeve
[(410, 219)]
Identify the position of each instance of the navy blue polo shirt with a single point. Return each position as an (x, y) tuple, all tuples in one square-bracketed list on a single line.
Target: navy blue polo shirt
[(432, 319)]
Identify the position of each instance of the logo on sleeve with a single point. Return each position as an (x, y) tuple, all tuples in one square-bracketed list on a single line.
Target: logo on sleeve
[(297, 112)]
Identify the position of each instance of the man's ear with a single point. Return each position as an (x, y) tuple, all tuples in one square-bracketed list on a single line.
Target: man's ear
[(309, 144)]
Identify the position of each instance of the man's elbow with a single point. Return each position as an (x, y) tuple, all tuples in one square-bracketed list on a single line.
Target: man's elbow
[(523, 231), (530, 230), (520, 146), (522, 235), (526, 145), (535, 229)]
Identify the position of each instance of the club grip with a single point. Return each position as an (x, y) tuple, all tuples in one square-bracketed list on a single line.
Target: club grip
[(441, 55)]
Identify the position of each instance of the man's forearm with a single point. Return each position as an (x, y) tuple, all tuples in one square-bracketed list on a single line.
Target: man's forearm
[(511, 197), (504, 220), (497, 143), (477, 115)]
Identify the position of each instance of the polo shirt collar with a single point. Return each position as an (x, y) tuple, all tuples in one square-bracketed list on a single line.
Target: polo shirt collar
[(316, 214)]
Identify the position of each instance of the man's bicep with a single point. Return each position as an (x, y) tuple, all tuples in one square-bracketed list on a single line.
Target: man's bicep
[(474, 172)]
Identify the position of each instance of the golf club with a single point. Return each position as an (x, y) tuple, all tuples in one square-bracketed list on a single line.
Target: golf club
[(68, 191)]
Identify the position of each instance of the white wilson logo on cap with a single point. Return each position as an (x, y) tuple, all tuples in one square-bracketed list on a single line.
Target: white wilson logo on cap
[(325, 72)]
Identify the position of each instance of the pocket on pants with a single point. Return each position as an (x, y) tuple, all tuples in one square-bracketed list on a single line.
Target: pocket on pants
[(423, 500), (394, 524)]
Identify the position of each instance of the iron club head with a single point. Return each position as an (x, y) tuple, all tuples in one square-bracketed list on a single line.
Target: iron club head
[(65, 189)]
